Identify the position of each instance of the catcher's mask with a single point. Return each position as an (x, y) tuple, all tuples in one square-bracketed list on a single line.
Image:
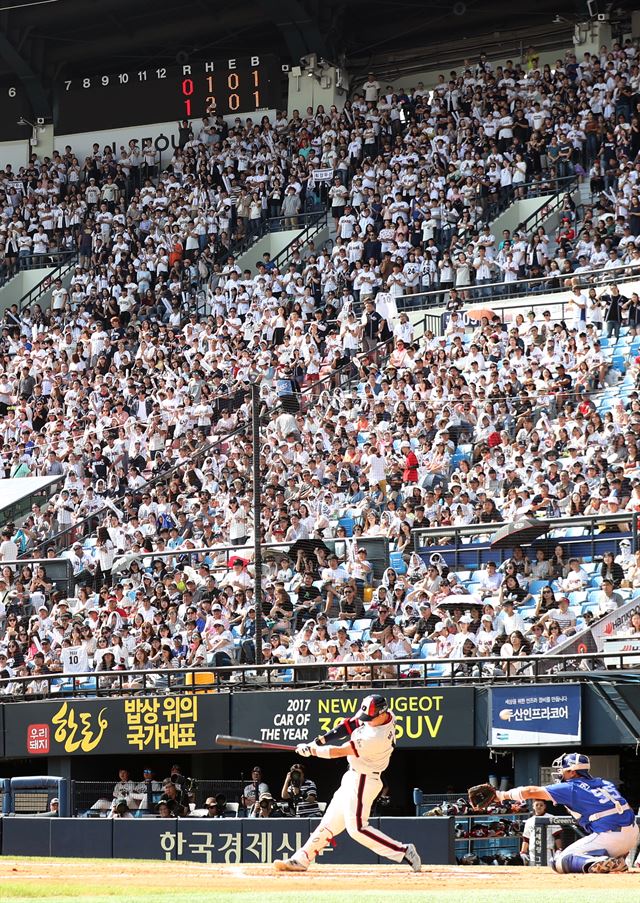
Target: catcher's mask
[(569, 762)]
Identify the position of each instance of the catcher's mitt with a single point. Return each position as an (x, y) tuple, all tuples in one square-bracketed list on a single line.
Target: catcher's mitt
[(481, 796)]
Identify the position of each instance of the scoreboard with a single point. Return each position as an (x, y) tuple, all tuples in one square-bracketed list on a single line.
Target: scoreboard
[(142, 96)]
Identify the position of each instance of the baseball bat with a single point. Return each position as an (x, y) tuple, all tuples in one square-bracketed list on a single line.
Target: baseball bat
[(246, 743)]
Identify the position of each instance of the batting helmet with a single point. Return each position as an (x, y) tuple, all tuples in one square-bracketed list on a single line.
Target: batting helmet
[(372, 706), (569, 762)]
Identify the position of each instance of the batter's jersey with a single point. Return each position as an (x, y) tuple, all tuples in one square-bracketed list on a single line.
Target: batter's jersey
[(595, 803), (372, 746)]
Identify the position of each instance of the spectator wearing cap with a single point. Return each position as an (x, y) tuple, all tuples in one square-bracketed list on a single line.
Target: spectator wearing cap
[(216, 807), (54, 809), (172, 797), (221, 646), (238, 577), (425, 625), (464, 632), (254, 790), (444, 638), (333, 578)]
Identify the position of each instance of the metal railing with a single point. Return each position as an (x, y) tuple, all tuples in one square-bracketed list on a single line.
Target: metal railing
[(303, 221), (415, 672), (94, 798), (64, 263), (34, 262), (314, 222), (58, 571), (564, 186), (344, 376), (520, 288), (310, 225), (557, 186), (432, 537), (377, 548)]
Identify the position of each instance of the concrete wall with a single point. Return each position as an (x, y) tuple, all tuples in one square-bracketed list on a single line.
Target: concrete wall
[(517, 213), (429, 77), (306, 92), (22, 282), (274, 243), (16, 152)]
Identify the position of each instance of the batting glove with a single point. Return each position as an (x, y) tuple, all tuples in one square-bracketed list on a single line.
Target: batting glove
[(305, 750)]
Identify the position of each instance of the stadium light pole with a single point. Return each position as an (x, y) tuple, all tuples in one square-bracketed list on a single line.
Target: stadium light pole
[(257, 516)]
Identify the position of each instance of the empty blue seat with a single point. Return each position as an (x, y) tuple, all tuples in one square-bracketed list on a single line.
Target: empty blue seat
[(577, 597), (362, 623), (396, 561)]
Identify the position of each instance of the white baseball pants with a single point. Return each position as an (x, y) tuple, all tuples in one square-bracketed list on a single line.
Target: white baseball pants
[(349, 810), (592, 847)]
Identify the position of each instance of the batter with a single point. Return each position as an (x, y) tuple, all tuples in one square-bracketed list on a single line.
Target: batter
[(370, 742)]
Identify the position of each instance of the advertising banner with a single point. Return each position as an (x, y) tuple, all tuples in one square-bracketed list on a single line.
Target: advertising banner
[(98, 726), (593, 639), (212, 841), (543, 714), (424, 718)]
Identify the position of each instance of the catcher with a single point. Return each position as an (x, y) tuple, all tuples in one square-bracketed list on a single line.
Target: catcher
[(600, 810)]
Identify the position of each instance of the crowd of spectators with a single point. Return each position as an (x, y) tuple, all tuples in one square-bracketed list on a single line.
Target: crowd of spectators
[(180, 796), (370, 428)]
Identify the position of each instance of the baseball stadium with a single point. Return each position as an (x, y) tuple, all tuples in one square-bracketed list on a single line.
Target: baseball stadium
[(319, 439)]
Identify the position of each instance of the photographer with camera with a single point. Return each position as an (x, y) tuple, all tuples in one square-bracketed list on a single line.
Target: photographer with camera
[(296, 788), (184, 786), (266, 807), (174, 797), (119, 809), (216, 806)]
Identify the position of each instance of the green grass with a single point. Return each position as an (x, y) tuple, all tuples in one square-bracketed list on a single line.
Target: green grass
[(528, 886), (35, 890)]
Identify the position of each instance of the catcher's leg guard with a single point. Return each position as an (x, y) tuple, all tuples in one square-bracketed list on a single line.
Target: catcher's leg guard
[(567, 863)]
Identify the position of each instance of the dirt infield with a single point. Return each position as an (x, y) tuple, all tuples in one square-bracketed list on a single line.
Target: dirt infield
[(126, 874)]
